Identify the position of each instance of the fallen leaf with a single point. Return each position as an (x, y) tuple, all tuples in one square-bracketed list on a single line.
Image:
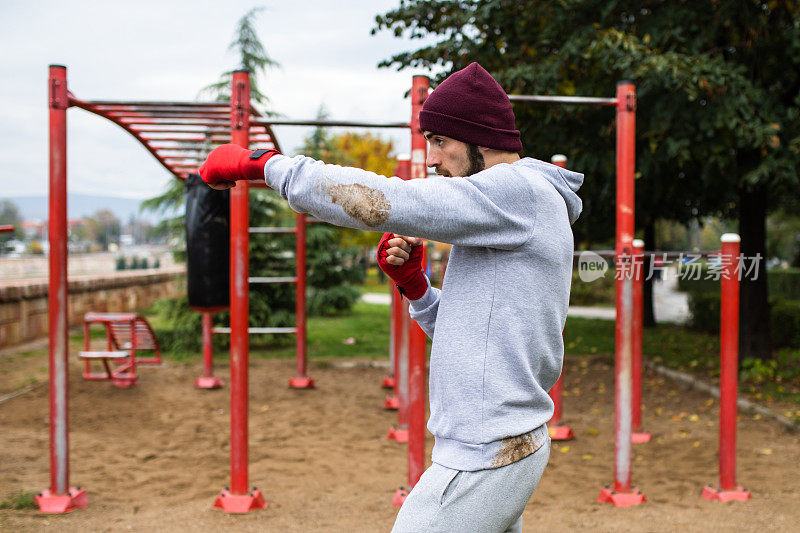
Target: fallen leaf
[(564, 449), (587, 457), (765, 451), (694, 418), (592, 431), (696, 444), (349, 340), (709, 402)]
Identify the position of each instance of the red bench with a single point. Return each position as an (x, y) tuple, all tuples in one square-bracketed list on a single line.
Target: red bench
[(128, 337)]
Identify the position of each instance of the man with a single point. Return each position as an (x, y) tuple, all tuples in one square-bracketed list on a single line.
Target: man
[(496, 324)]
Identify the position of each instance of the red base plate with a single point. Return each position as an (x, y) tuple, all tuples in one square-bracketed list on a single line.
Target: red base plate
[(61, 503), (208, 382), (388, 382), (124, 383), (399, 497), (399, 435), (391, 402), (621, 499), (301, 382), (711, 493), (240, 503), (640, 438), (561, 433)]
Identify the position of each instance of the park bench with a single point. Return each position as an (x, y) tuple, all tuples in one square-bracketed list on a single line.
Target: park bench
[(128, 337)]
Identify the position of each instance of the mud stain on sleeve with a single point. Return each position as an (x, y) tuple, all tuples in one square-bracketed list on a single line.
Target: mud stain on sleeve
[(363, 203), (513, 449)]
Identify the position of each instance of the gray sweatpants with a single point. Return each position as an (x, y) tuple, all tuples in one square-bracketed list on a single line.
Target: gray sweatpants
[(484, 501)]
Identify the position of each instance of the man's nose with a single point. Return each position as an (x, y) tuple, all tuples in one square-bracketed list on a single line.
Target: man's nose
[(432, 159)]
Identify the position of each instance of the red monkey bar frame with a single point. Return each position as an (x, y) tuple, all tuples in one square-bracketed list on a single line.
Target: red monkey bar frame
[(727, 489), (637, 436), (555, 427)]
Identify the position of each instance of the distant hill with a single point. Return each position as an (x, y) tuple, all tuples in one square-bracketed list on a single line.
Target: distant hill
[(82, 205)]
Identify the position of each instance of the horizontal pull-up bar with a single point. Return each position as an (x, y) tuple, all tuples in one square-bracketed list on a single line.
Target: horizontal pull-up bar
[(678, 254), (581, 100), (122, 103), (329, 123)]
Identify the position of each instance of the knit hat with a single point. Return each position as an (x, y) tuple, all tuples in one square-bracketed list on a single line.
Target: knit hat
[(470, 106)]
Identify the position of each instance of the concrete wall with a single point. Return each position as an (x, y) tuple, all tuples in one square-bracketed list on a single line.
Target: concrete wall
[(23, 303)]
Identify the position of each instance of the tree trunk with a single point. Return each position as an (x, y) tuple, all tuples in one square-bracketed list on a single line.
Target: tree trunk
[(649, 317), (754, 327)]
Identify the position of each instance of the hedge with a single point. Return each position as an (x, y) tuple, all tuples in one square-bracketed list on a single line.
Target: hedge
[(784, 283), (784, 318)]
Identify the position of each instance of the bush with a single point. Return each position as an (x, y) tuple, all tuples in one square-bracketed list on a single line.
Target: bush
[(332, 300), (785, 323), (784, 283), (599, 291), (705, 309), (121, 264), (784, 318), (134, 263)]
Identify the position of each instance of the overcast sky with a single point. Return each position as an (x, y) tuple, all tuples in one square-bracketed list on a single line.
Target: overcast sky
[(168, 50)]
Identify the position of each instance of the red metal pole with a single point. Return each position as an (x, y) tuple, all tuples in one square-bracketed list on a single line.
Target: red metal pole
[(301, 380), (402, 171), (238, 499), (728, 377), (60, 498), (417, 338), (623, 494), (557, 430), (208, 380), (637, 436), (416, 342), (401, 321)]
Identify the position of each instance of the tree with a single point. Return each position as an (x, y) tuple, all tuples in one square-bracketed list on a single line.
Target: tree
[(9, 214), (718, 119), (253, 57), (103, 228)]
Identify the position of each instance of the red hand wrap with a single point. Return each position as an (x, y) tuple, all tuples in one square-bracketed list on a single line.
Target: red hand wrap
[(408, 277), (231, 162)]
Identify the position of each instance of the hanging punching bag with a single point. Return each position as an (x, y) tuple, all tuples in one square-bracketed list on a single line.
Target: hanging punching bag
[(207, 245)]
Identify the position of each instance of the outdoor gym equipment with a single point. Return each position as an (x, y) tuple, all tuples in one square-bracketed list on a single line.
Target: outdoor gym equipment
[(127, 335), (178, 135)]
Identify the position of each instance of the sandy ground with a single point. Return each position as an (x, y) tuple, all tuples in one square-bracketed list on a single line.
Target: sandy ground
[(153, 458)]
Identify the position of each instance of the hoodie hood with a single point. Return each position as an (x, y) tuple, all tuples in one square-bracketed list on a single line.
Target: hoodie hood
[(566, 182)]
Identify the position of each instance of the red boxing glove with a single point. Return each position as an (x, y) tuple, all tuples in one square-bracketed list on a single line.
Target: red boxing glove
[(231, 162), (408, 277)]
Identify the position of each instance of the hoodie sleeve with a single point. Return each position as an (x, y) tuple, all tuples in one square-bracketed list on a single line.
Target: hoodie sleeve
[(426, 309), (494, 208)]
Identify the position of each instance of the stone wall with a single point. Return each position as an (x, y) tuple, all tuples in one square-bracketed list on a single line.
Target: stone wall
[(23, 303)]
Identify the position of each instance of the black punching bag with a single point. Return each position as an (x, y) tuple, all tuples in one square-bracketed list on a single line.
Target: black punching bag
[(208, 214)]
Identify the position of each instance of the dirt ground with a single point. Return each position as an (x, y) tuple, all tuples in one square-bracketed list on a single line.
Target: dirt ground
[(152, 458)]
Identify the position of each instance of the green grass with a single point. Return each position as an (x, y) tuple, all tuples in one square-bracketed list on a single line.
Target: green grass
[(373, 284), (690, 351), (367, 324), (671, 345), (19, 500)]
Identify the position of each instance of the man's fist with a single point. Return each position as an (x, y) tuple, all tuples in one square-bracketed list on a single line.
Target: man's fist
[(230, 162), (401, 258)]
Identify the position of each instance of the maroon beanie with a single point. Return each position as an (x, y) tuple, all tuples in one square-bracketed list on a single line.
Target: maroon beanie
[(470, 106)]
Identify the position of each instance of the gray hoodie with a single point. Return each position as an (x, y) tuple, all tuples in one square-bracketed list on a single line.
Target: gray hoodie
[(496, 324)]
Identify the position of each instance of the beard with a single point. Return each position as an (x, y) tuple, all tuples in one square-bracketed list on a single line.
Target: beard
[(475, 162)]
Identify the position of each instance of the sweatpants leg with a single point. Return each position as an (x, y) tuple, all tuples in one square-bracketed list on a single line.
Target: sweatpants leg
[(484, 501)]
